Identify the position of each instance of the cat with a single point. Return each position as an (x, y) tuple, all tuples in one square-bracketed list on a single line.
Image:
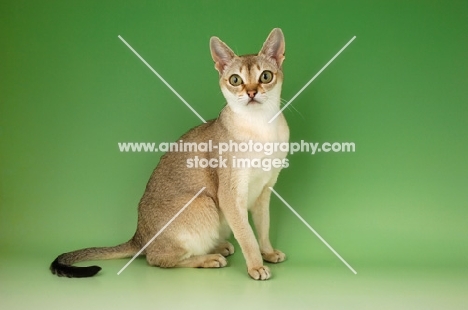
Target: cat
[(251, 85)]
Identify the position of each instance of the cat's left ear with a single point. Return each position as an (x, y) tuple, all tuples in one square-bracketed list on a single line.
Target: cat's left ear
[(221, 53), (274, 46)]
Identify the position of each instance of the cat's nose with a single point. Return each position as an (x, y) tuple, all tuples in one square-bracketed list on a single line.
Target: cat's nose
[(251, 93)]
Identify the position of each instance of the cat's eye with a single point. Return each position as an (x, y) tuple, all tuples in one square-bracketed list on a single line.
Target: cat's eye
[(235, 80), (266, 77)]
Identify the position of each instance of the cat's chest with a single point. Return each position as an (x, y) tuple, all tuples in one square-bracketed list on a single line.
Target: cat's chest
[(258, 179), (267, 141), (261, 132)]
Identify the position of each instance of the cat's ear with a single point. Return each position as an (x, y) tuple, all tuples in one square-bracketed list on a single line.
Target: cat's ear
[(274, 46), (221, 54)]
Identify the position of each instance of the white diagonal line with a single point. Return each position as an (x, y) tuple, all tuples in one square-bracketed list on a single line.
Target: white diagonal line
[(162, 79), (312, 79), (313, 230), (160, 231)]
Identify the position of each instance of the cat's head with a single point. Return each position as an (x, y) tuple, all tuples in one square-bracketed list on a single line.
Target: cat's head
[(251, 81)]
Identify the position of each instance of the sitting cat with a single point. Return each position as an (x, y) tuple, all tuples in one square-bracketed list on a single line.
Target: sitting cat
[(251, 85)]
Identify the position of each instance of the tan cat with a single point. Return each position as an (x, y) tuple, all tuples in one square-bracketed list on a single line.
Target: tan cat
[(251, 85)]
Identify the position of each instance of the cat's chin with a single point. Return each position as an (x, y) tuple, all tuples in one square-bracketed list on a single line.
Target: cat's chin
[(253, 102)]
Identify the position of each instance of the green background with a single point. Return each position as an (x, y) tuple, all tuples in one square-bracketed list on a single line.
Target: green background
[(396, 209)]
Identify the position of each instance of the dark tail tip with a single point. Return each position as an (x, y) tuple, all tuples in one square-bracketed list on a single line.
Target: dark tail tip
[(62, 270)]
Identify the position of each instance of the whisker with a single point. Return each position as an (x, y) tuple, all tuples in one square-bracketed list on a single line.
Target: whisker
[(291, 107)]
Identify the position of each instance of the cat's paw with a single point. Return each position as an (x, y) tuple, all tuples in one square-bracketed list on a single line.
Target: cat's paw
[(260, 273), (274, 257), (215, 261), (225, 249)]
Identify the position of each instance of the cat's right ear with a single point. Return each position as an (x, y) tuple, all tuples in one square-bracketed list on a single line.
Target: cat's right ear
[(274, 46), (221, 54)]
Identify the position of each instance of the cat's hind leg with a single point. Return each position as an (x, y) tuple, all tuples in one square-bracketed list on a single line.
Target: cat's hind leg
[(191, 238), (204, 261), (178, 260), (224, 248)]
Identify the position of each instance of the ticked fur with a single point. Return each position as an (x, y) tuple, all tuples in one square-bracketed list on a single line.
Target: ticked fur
[(198, 237)]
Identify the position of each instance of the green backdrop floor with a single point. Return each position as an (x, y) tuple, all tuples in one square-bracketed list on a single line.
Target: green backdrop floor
[(27, 284)]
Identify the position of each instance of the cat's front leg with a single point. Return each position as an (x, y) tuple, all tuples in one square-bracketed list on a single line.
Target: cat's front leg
[(233, 203), (261, 218)]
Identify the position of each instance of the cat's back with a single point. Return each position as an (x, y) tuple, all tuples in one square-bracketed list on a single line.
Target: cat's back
[(180, 167)]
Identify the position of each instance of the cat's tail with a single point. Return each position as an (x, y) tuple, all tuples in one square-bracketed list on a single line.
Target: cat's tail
[(62, 265)]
